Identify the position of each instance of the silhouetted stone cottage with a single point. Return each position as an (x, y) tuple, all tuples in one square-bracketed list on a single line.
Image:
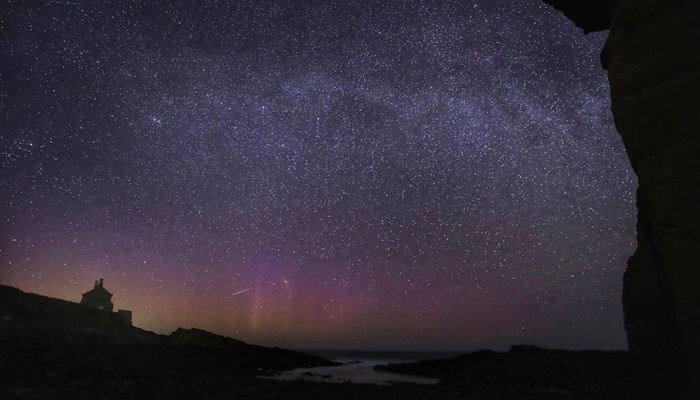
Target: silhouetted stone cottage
[(101, 299), (98, 297)]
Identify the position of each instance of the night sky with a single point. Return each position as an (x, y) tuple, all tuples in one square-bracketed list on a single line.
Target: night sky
[(316, 174)]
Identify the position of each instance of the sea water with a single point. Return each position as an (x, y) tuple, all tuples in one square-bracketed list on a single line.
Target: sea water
[(358, 367)]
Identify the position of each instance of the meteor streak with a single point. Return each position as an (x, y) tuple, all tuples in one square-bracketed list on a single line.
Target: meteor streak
[(242, 291)]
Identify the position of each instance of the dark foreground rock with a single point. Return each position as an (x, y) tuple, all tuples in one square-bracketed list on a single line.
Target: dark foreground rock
[(652, 58), (51, 348), (530, 372), (54, 349)]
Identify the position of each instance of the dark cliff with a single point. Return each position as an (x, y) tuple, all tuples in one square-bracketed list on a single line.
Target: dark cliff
[(652, 56)]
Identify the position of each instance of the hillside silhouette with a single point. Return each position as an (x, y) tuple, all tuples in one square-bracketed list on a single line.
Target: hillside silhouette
[(47, 342), (52, 348)]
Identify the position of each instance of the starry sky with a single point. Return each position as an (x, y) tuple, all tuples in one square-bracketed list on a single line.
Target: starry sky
[(436, 175)]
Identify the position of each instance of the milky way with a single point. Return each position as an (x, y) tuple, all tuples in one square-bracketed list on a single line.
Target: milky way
[(378, 174)]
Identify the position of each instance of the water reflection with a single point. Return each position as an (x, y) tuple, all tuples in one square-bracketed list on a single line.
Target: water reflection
[(359, 371)]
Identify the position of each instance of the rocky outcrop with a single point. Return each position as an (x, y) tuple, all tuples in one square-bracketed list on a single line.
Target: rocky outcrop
[(652, 57), (41, 335), (528, 372), (199, 337), (590, 15)]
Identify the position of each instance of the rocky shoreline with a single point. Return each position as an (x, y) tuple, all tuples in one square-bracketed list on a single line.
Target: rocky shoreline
[(530, 372), (53, 349)]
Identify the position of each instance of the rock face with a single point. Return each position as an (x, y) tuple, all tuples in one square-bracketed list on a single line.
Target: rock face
[(590, 15), (199, 337), (528, 372), (652, 57)]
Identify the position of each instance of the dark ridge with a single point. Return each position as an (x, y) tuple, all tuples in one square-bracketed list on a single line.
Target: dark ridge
[(40, 335), (52, 348), (529, 370)]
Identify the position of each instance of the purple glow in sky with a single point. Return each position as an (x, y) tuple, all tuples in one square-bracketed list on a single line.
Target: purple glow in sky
[(314, 174)]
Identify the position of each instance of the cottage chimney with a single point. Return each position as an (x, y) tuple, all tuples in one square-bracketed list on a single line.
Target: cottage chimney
[(95, 284), (100, 282)]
